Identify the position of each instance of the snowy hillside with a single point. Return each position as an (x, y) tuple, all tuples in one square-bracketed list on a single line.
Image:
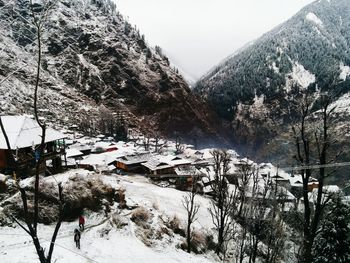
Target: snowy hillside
[(311, 48), (93, 57), (307, 53), (103, 241)]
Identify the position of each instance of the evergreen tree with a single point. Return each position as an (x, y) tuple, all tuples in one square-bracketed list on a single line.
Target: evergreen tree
[(332, 244)]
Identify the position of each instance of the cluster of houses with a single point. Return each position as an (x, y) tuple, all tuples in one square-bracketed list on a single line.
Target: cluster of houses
[(164, 165)]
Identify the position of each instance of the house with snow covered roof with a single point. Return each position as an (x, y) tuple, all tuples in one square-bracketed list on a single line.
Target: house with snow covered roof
[(157, 166), (165, 164), (132, 163), (24, 135), (187, 175)]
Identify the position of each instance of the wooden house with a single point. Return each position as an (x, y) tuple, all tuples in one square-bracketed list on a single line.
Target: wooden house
[(312, 185), (132, 163), (199, 162), (24, 136), (175, 161), (160, 165), (3, 186), (156, 166), (187, 175)]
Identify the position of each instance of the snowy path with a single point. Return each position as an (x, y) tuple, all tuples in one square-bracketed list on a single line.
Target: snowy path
[(118, 247)]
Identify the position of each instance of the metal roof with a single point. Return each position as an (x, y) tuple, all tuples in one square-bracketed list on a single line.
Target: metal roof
[(134, 159), (24, 132), (156, 164)]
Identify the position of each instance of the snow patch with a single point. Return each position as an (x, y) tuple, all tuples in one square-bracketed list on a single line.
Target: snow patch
[(342, 105), (344, 71), (258, 101), (275, 68), (299, 76), (280, 49), (317, 30), (314, 18), (94, 69)]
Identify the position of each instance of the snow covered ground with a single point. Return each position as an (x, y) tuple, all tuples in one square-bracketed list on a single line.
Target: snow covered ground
[(101, 242)]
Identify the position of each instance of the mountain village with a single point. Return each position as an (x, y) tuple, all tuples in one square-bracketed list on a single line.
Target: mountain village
[(108, 154), (143, 161)]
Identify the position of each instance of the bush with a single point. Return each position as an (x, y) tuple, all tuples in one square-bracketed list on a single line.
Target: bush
[(211, 245), (118, 221), (176, 225), (120, 198), (140, 215), (79, 193), (162, 231), (198, 242), (146, 236)]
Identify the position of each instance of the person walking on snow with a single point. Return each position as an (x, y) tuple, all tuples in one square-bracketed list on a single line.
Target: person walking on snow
[(77, 238), (81, 222)]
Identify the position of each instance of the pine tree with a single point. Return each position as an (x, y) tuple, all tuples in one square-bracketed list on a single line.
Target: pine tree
[(332, 244)]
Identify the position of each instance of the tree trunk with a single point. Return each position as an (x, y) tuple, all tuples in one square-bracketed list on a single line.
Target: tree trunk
[(189, 235)]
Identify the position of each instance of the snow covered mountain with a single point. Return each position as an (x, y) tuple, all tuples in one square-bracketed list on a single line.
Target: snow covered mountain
[(252, 88), (94, 58)]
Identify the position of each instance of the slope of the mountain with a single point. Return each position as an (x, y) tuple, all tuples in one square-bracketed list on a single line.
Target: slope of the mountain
[(253, 88), (93, 58)]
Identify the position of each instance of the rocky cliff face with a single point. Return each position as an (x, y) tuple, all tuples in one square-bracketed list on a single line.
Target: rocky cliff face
[(93, 58), (254, 88)]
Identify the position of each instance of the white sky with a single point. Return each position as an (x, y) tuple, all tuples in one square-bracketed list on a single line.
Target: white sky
[(197, 34)]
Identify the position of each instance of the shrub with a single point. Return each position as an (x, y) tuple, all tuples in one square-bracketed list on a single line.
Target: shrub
[(146, 236), (79, 193), (120, 198), (118, 221), (176, 225), (140, 215), (163, 230), (211, 245), (198, 242)]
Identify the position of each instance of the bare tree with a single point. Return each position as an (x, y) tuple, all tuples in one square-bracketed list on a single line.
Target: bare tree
[(224, 203), (178, 145), (192, 209), (246, 172), (275, 232), (107, 122), (39, 16), (158, 146), (257, 208), (146, 142), (259, 215), (313, 141), (241, 239)]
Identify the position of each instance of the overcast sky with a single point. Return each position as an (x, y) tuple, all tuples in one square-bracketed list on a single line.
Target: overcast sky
[(198, 34)]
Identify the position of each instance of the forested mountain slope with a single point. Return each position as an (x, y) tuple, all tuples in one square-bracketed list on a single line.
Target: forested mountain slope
[(92, 59), (253, 89)]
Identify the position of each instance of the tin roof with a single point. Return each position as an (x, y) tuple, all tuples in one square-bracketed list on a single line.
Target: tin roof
[(24, 132)]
